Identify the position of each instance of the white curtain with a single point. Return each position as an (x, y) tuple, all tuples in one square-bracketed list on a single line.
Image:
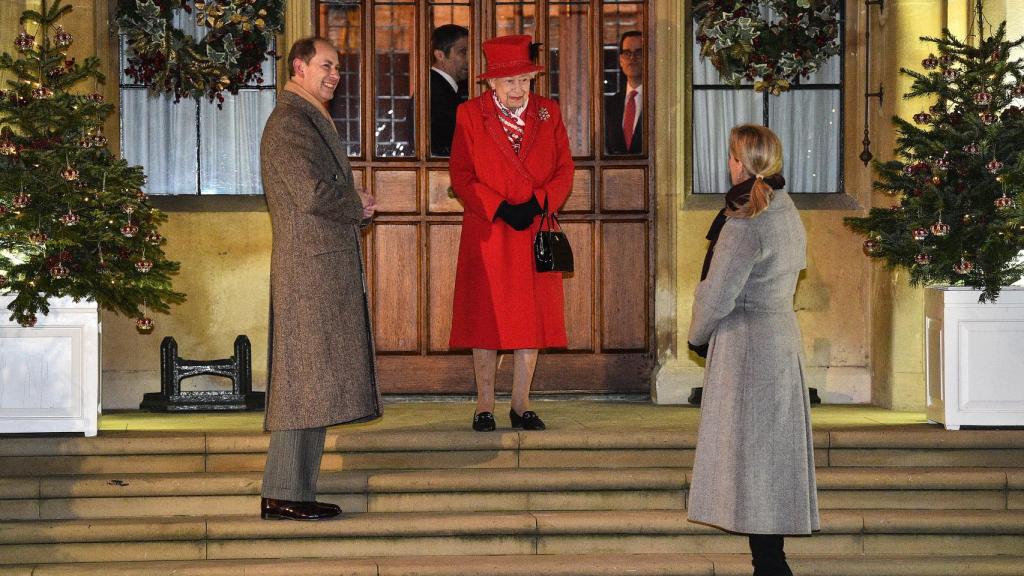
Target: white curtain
[(189, 148), (807, 122)]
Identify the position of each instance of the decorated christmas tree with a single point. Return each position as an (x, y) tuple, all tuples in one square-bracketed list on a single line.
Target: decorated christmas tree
[(957, 216), (73, 219)]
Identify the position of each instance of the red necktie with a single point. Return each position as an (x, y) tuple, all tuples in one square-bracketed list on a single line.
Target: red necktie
[(629, 118)]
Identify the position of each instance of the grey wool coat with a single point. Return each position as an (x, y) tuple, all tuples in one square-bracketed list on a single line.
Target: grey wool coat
[(323, 369), (754, 468)]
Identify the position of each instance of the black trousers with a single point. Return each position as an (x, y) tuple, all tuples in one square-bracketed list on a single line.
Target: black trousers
[(767, 555)]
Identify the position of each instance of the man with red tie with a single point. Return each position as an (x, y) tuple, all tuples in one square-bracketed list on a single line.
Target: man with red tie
[(624, 121)]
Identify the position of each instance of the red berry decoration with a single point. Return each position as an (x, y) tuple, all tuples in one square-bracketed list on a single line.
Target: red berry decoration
[(28, 321), (144, 324), (69, 174), (982, 98), (129, 230), (940, 228), (950, 74), (930, 62), (922, 259), (963, 267), (994, 166), (70, 219), (1004, 202), (21, 200), (144, 265), (154, 238), (871, 247), (971, 148), (919, 234)]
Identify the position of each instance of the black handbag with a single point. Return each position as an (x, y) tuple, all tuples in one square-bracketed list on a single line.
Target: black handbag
[(551, 250)]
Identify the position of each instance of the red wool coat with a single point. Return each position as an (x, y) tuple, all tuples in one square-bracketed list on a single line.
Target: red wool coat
[(501, 302)]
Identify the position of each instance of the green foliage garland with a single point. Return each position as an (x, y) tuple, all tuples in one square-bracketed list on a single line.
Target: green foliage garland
[(239, 36), (959, 218), (800, 36), (73, 221)]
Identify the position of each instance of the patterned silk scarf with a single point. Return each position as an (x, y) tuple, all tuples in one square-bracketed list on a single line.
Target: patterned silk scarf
[(512, 121)]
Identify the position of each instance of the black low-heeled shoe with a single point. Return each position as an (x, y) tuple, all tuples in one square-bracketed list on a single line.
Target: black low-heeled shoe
[(527, 421), (484, 422)]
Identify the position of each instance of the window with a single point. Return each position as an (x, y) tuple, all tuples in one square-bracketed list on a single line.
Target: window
[(193, 147), (808, 119)]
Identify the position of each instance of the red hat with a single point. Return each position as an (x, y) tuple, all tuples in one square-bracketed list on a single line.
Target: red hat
[(508, 56)]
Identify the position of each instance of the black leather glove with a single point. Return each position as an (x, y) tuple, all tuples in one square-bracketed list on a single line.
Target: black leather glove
[(519, 216), (700, 350)]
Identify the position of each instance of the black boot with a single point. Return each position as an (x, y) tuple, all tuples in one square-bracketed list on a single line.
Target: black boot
[(768, 557)]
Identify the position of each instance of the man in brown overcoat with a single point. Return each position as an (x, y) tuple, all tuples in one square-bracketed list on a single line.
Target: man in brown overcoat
[(322, 364)]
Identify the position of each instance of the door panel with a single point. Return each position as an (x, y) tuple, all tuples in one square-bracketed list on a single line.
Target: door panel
[(623, 286), (442, 255), (396, 288), (579, 287)]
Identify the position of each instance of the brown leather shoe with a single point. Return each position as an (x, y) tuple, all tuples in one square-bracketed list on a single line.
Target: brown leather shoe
[(271, 509)]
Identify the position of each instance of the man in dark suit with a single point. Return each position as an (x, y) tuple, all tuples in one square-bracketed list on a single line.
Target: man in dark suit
[(623, 112), (450, 48)]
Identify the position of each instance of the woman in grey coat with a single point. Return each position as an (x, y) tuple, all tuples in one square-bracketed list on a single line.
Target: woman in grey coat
[(754, 467)]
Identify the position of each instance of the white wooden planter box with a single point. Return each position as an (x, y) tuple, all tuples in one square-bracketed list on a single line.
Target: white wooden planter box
[(50, 374), (974, 357)]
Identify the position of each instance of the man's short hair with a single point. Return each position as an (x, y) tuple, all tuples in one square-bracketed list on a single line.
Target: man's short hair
[(628, 34), (444, 37), (304, 49)]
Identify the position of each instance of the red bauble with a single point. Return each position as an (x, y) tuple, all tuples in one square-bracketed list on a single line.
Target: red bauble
[(69, 174), (7, 148), (24, 41), (144, 324), (963, 267), (62, 38), (987, 118), (1003, 202), (144, 265), (154, 238), (871, 247), (27, 321), (930, 62), (950, 74), (919, 234), (42, 93), (21, 200), (59, 272), (983, 98), (922, 118), (971, 148), (940, 228), (994, 166), (70, 219), (922, 259), (38, 237), (129, 230)]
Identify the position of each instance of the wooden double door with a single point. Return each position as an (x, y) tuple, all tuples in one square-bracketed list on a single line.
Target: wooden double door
[(412, 248)]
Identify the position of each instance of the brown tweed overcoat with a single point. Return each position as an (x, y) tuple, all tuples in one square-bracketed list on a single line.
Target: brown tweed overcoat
[(322, 370)]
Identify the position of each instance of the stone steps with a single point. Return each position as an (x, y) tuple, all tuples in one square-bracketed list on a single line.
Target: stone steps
[(204, 494), (843, 532), (548, 565), (126, 453)]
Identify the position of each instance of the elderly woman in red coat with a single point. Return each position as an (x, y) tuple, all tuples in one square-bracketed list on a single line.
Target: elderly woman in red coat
[(510, 157)]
